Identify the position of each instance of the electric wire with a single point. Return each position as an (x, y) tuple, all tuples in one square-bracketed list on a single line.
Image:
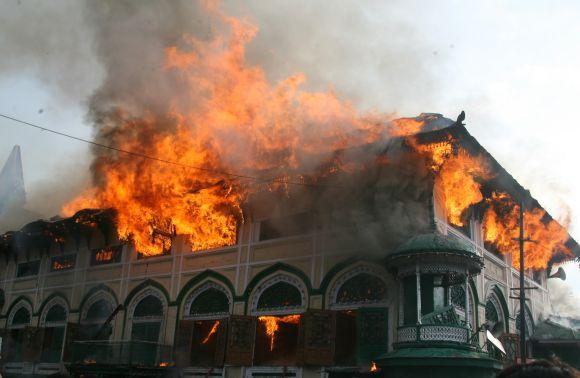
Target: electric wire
[(160, 160)]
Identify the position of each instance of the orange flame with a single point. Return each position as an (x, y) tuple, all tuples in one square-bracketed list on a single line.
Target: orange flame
[(501, 229), (271, 323), (211, 332), (374, 367), (460, 176), (229, 118)]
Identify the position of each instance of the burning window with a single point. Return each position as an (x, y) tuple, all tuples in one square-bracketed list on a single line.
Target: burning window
[(26, 269), (277, 340), (109, 255), (62, 262), (293, 225), (206, 340)]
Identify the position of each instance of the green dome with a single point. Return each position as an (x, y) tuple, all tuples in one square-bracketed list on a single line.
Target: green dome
[(434, 242)]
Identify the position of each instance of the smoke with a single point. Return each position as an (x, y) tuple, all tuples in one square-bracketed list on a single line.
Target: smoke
[(565, 300), (50, 42)]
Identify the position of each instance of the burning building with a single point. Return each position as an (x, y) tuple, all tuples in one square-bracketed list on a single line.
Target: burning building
[(386, 255)]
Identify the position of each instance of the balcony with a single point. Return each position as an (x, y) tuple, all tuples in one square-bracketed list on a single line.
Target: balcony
[(120, 356), (434, 333)]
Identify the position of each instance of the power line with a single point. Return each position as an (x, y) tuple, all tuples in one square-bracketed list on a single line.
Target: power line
[(143, 156)]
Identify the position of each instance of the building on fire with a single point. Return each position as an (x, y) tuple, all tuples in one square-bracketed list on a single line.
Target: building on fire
[(371, 279)]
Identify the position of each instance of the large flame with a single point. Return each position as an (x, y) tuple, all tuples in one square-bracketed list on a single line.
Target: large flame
[(543, 235), (272, 325), (235, 121), (230, 119), (461, 177)]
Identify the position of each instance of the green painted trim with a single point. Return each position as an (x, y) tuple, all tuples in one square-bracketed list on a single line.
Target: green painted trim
[(278, 267), (143, 285), (15, 302), (197, 279), (342, 266), (148, 282), (332, 273), (51, 296), (92, 292)]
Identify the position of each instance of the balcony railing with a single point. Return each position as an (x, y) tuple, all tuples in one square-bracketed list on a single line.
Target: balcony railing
[(128, 353), (433, 333)]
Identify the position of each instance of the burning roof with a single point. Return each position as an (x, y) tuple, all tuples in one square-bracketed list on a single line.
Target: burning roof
[(473, 183)]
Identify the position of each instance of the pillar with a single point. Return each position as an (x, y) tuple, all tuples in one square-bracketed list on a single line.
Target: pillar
[(467, 300), (418, 275)]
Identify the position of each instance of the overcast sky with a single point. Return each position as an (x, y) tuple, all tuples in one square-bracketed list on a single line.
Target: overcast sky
[(511, 65)]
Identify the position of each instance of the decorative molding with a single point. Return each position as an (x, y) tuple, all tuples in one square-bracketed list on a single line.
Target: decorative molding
[(200, 289), (274, 279), (21, 304), (55, 301), (348, 274), (101, 294), (142, 295)]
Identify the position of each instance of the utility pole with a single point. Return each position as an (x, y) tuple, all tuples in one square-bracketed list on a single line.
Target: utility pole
[(522, 289)]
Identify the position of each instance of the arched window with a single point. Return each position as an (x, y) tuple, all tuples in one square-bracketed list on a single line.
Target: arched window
[(494, 316), (279, 296), (279, 301), (54, 322), (363, 288), (147, 317), (360, 295), (99, 311), (203, 313), (95, 313), (208, 301), (19, 317)]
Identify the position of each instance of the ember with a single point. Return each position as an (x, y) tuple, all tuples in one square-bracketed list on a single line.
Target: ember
[(271, 323)]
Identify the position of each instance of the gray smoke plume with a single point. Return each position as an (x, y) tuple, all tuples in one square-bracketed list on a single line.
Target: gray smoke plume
[(565, 301)]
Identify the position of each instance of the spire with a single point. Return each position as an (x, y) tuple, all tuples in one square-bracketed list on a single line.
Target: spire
[(12, 182)]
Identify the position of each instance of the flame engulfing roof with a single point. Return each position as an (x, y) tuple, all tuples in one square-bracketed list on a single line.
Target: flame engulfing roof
[(500, 181), (426, 129)]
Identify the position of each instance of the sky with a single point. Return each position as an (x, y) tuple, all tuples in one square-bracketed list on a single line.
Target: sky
[(511, 65)]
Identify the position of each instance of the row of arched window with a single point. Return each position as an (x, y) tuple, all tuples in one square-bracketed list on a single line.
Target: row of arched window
[(279, 293)]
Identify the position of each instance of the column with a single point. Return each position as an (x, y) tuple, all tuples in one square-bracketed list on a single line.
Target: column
[(401, 301), (467, 300), (418, 274)]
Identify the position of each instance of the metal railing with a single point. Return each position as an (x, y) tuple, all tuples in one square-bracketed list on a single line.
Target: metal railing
[(130, 353), (433, 333)]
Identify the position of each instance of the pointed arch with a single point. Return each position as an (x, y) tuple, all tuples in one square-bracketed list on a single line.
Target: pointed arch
[(292, 274), (21, 304), (349, 278), (55, 299), (146, 312)]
